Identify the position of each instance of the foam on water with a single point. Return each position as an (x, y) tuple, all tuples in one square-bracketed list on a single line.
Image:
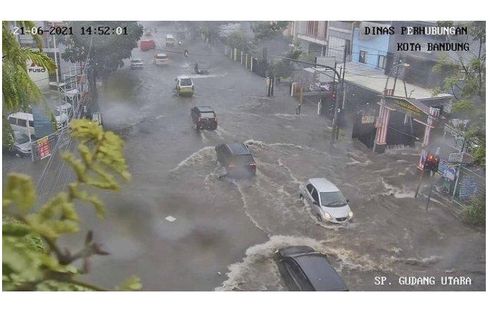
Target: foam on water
[(246, 206), (397, 192), (356, 162), (287, 116), (258, 271), (195, 157)]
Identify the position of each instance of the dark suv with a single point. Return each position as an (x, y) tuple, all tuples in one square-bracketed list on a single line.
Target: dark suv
[(237, 159), (203, 117)]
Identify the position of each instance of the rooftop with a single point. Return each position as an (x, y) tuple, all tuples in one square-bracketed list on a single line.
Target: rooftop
[(375, 80)]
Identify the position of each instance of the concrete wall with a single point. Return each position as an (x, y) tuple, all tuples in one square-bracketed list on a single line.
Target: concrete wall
[(373, 45)]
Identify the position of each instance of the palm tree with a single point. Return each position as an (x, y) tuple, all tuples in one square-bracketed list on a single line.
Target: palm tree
[(18, 89)]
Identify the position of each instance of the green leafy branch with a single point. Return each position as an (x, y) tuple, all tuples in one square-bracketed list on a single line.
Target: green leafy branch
[(32, 258)]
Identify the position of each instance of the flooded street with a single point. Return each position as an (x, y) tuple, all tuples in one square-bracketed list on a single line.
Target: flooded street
[(180, 225)]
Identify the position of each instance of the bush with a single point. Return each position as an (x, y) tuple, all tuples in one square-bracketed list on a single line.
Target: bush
[(475, 213)]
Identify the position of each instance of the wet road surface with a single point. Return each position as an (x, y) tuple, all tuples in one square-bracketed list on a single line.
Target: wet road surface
[(179, 226)]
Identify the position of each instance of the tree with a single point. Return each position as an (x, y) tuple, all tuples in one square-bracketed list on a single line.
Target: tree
[(32, 258), (465, 79), (105, 52), (268, 30), (18, 89), (238, 40), (284, 67)]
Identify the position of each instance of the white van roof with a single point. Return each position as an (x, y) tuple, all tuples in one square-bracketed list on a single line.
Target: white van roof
[(169, 36), (28, 116), (21, 115)]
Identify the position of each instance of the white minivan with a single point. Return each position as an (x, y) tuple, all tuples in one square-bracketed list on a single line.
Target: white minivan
[(24, 122)]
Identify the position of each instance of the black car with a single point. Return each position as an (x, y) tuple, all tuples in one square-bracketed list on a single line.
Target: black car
[(203, 117), (237, 159), (304, 269)]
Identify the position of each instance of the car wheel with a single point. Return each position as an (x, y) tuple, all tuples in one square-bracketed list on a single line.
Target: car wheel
[(318, 217), (301, 196)]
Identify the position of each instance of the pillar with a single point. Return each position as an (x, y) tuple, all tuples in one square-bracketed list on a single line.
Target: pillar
[(382, 129)]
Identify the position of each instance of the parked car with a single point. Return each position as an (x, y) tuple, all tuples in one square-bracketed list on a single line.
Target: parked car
[(185, 86), (326, 200), (146, 45), (237, 160), (203, 117), (22, 144), (160, 59), (304, 269), (136, 63)]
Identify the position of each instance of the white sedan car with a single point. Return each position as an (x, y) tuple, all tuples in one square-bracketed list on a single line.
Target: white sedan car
[(326, 200)]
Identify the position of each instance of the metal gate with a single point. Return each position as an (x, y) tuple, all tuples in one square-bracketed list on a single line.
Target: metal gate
[(364, 128)]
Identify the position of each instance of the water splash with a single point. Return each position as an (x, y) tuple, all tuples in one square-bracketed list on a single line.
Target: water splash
[(204, 152)]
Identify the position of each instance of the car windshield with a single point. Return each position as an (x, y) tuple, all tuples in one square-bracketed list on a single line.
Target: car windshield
[(21, 138), (333, 199), (207, 114), (136, 60), (185, 82)]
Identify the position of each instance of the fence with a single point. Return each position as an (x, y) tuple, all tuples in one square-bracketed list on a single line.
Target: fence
[(461, 180), (250, 62), (469, 185)]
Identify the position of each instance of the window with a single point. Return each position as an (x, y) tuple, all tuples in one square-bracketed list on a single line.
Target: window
[(13, 120), (362, 56), (309, 187), (333, 199), (31, 123), (312, 28), (381, 61), (314, 194), (22, 122), (185, 82)]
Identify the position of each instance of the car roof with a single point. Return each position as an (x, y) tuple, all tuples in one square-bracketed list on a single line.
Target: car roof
[(295, 250), (204, 109), (323, 185), (238, 149), (319, 272), (161, 54)]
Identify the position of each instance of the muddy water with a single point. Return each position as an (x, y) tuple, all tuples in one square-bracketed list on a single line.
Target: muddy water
[(180, 225)]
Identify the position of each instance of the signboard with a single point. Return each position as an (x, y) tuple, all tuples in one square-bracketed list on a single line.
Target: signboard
[(43, 147), (407, 106), (450, 173), (326, 61), (455, 158), (39, 75), (367, 119)]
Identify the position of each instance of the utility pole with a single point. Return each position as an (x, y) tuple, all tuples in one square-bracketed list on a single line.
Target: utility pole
[(339, 108)]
